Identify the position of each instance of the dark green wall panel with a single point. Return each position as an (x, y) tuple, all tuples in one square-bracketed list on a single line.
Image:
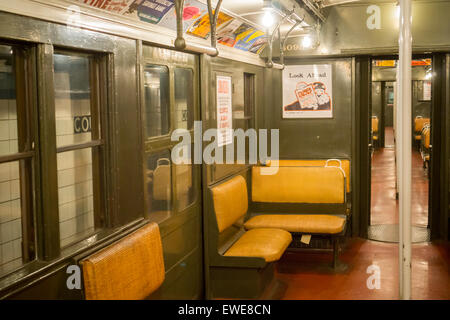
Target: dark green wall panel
[(317, 138)]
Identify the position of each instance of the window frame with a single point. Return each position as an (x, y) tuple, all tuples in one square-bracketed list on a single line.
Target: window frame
[(191, 69), (49, 231), (26, 156), (97, 143), (155, 145)]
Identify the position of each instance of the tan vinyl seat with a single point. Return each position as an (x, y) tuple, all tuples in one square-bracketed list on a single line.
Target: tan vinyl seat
[(299, 185), (130, 269), (319, 224), (230, 205), (426, 142), (289, 186), (419, 123), (267, 243), (318, 163)]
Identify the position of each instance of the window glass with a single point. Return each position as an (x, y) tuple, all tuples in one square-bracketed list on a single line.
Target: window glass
[(10, 217), (159, 182), (185, 183), (157, 101), (10, 184), (72, 99), (184, 98), (75, 195), (79, 167)]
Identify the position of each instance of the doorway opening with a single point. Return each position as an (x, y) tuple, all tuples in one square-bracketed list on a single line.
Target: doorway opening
[(384, 208)]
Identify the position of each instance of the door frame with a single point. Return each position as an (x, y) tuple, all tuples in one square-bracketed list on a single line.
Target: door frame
[(439, 192)]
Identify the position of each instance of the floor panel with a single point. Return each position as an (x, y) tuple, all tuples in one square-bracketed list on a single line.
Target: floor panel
[(308, 278)]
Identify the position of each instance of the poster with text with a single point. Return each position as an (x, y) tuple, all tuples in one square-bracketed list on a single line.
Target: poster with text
[(192, 11), (151, 11), (224, 111), (426, 90), (202, 27), (227, 34), (247, 39), (116, 6), (307, 91)]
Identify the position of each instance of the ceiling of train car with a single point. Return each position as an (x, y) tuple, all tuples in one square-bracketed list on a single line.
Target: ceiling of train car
[(313, 12), (253, 10)]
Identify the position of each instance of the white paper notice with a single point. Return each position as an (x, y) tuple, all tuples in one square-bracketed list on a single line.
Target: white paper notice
[(224, 111)]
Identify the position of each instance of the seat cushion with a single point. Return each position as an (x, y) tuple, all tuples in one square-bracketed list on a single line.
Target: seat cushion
[(375, 137), (303, 223), (418, 137), (266, 243), (129, 269)]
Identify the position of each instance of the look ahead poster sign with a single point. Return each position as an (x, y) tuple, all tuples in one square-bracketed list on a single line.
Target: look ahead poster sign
[(307, 91)]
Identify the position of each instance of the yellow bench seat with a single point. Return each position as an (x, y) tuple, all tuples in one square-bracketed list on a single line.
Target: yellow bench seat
[(307, 223), (266, 243)]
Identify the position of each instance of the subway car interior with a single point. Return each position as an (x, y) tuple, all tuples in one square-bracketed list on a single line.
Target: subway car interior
[(224, 150)]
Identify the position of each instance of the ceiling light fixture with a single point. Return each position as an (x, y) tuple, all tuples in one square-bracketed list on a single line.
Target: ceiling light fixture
[(306, 42), (268, 19)]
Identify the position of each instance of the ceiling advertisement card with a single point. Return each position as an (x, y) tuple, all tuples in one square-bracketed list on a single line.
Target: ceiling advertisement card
[(232, 32), (193, 10), (202, 27)]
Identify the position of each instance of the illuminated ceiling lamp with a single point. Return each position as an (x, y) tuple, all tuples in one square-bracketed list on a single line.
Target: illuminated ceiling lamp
[(397, 10), (268, 18), (307, 42)]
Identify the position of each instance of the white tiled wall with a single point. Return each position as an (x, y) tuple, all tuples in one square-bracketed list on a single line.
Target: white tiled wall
[(65, 111), (76, 210), (10, 211)]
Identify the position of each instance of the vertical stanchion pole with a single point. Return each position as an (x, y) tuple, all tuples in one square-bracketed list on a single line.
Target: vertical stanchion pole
[(405, 55)]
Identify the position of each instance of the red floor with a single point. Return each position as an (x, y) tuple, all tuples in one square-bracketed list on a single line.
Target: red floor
[(383, 202), (308, 277)]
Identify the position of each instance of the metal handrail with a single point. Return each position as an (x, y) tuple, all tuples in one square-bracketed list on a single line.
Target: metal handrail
[(180, 42)]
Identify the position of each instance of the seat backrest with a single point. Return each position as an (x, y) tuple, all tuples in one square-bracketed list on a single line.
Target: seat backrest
[(129, 269), (374, 124), (230, 201), (162, 180), (426, 134), (324, 185), (345, 163), (419, 123)]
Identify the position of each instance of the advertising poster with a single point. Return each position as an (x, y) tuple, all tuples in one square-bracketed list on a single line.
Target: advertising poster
[(228, 33), (201, 28), (193, 10), (426, 90), (307, 91), (248, 38), (258, 45), (116, 6), (224, 111), (231, 32), (151, 11)]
